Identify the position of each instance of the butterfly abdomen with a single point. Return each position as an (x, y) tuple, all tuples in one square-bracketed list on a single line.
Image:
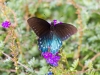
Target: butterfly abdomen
[(52, 27)]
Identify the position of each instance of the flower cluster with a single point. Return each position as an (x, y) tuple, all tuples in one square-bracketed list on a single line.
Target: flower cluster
[(55, 22), (50, 73), (6, 24), (51, 59)]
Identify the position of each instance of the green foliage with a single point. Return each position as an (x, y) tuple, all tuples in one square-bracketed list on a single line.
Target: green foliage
[(74, 65), (31, 61)]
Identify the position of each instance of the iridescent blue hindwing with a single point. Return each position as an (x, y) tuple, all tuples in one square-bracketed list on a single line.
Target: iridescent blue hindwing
[(56, 44), (50, 42), (44, 43)]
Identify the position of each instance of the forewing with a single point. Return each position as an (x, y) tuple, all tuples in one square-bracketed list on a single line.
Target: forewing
[(64, 30), (40, 26)]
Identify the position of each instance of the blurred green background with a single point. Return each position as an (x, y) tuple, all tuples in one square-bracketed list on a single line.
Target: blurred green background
[(63, 11)]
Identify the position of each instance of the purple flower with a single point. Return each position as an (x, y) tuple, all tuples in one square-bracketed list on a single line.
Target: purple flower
[(6, 24), (56, 58), (50, 73), (60, 22), (47, 55), (55, 22), (51, 59), (52, 62)]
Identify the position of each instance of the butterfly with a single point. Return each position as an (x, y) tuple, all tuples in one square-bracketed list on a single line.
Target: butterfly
[(50, 35)]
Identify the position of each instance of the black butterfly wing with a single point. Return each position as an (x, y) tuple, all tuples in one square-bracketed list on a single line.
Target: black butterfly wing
[(65, 30), (39, 26)]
